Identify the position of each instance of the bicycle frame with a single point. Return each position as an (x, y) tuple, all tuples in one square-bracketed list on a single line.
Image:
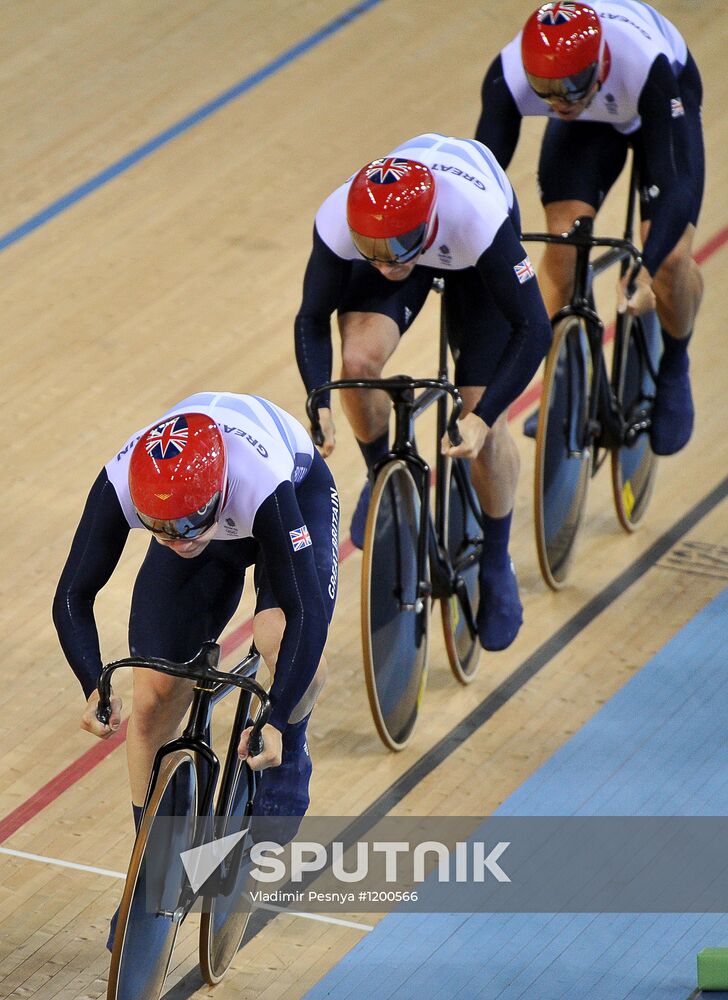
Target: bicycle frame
[(605, 423), (407, 407), (212, 685)]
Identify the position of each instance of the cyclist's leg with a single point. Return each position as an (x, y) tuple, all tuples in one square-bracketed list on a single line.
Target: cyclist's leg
[(479, 335), (373, 314), (579, 163), (284, 790), (678, 285), (177, 604)]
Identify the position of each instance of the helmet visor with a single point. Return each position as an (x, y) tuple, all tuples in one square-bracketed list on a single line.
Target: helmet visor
[(391, 249), (191, 526), (568, 88)]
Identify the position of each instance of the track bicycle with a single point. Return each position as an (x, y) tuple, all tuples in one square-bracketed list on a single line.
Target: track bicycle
[(585, 414), (411, 558), (178, 816)]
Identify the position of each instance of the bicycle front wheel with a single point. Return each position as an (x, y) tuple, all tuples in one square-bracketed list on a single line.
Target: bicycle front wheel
[(634, 465), (463, 542), (563, 450), (394, 608), (225, 916), (150, 913)]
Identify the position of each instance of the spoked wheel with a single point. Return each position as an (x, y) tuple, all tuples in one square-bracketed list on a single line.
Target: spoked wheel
[(634, 466), (225, 916), (463, 541), (149, 914), (394, 610), (563, 452)]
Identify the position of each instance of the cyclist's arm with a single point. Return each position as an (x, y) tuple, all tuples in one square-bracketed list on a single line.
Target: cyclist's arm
[(499, 125), (323, 284), (295, 584), (522, 305), (665, 141), (95, 551)]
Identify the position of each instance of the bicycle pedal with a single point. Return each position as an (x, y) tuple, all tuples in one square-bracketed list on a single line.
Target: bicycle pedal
[(174, 915)]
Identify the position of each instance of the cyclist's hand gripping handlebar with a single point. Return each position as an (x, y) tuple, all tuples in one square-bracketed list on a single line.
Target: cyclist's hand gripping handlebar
[(453, 432), (201, 668), (313, 416)]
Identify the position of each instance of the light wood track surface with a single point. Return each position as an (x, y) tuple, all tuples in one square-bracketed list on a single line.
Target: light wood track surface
[(183, 273)]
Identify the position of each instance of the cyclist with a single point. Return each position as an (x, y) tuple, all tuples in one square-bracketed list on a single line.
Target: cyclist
[(435, 205), (610, 75), (222, 481)]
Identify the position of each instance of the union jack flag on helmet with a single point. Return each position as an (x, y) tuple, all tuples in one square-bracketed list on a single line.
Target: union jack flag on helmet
[(167, 440), (387, 171), (558, 13)]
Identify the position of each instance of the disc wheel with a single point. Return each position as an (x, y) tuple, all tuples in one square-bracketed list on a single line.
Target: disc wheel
[(563, 453), (394, 607), (225, 915), (149, 914), (463, 542), (634, 466)]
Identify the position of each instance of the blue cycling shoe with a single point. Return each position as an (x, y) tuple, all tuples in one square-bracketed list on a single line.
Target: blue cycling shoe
[(500, 612), (112, 930), (530, 424), (283, 794), (673, 414), (359, 519)]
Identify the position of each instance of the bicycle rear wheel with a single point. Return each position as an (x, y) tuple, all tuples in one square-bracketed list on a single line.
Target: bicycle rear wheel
[(225, 916), (149, 913), (634, 466), (463, 542), (394, 610), (563, 453)]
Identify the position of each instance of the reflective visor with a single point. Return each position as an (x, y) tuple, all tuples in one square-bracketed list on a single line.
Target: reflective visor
[(568, 88), (190, 526), (391, 249)]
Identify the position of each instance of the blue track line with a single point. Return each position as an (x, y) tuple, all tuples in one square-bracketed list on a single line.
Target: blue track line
[(141, 152)]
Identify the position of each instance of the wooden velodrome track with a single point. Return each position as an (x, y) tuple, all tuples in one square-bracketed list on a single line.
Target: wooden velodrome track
[(178, 267)]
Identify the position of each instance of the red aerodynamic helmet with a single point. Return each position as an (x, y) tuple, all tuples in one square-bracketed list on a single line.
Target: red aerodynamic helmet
[(177, 475), (561, 49), (390, 209)]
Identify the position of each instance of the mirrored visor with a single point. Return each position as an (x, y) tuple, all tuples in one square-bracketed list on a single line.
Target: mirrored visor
[(568, 88), (392, 249), (190, 526)]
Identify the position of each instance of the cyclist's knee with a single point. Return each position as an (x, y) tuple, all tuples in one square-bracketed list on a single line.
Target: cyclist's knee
[(557, 265), (360, 362), (678, 274), (368, 341), (159, 703), (500, 448)]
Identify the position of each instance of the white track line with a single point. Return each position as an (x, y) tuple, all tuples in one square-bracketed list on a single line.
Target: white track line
[(112, 874), (62, 864), (313, 916)]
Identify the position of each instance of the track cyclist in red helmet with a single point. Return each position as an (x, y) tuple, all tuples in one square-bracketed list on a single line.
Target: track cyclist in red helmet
[(222, 482), (611, 75), (433, 206)]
